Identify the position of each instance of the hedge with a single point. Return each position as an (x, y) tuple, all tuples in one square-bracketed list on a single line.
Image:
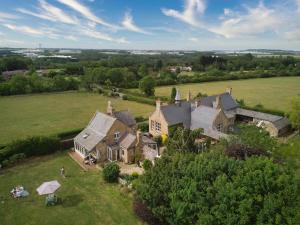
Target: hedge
[(69, 134), (32, 146)]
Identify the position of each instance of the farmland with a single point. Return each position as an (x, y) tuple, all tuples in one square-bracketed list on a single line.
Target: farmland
[(46, 114), (272, 93), (86, 198)]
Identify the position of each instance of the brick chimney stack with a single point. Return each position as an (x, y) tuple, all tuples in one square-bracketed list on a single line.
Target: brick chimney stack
[(110, 109), (158, 104), (229, 90)]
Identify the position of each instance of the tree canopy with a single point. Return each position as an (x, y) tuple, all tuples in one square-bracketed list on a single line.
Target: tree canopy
[(211, 188)]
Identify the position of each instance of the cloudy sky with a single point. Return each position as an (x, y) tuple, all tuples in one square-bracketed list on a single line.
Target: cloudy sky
[(151, 24)]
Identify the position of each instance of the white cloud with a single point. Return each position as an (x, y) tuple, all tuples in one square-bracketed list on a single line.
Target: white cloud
[(6, 17), (71, 38), (102, 36), (129, 24), (255, 21), (193, 39), (86, 12), (192, 9), (165, 29), (293, 35), (49, 12), (24, 29), (8, 42)]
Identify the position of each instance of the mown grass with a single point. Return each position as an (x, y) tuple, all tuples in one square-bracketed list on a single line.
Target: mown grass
[(272, 93), (86, 198), (46, 114)]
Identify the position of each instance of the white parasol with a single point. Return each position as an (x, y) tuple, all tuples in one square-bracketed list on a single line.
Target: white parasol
[(48, 187)]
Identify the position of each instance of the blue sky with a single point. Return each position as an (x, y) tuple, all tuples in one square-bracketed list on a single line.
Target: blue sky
[(151, 24)]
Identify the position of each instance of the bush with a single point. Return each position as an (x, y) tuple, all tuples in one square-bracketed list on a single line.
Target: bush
[(144, 127), (158, 140), (111, 172), (32, 146), (139, 119), (147, 164)]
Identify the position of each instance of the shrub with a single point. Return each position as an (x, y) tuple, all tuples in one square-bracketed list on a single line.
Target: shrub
[(124, 97), (32, 146), (139, 119), (158, 140), (144, 127), (135, 175), (111, 172), (147, 164)]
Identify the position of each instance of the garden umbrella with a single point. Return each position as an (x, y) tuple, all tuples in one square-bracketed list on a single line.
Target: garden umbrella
[(48, 187)]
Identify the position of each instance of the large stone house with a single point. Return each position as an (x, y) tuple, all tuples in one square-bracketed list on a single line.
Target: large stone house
[(216, 115), (113, 136)]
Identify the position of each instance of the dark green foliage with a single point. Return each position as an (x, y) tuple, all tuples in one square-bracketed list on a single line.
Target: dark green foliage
[(183, 140), (22, 84), (210, 188), (147, 85), (173, 95), (32, 146), (253, 137), (111, 172), (158, 140), (144, 127), (13, 159), (147, 164)]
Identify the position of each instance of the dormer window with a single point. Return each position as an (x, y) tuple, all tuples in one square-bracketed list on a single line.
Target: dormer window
[(85, 136)]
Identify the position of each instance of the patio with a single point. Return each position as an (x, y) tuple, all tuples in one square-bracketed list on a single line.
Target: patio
[(80, 161)]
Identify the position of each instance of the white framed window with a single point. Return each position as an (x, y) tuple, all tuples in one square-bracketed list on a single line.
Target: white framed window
[(220, 127), (117, 136), (157, 126)]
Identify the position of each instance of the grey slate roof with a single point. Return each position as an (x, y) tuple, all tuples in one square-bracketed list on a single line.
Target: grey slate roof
[(258, 115), (175, 114), (128, 141), (282, 123), (203, 117), (125, 117), (95, 131), (227, 102)]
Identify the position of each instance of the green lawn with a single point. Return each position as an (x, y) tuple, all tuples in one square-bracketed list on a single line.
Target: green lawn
[(87, 199), (44, 114), (273, 93)]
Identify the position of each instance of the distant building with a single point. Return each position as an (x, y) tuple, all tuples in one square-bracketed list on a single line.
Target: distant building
[(217, 115), (174, 69)]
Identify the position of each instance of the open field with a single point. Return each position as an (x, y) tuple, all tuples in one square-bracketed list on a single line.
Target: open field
[(87, 199), (273, 93), (45, 114)]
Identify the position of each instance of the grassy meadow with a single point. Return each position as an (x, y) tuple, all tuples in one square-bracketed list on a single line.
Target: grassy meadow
[(86, 198), (44, 114), (273, 93)]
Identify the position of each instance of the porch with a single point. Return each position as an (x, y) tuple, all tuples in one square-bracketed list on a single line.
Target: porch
[(80, 161)]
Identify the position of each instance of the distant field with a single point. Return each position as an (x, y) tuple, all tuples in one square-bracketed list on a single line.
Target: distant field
[(44, 114), (273, 93)]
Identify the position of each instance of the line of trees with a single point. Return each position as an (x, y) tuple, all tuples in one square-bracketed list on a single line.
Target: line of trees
[(130, 71)]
